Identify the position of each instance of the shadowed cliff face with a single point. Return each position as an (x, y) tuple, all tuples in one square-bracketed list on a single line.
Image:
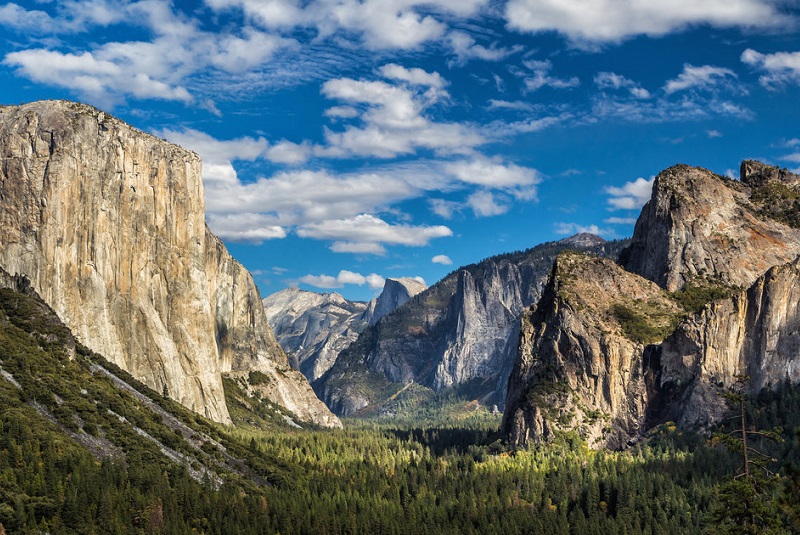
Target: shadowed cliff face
[(602, 346), (107, 222)]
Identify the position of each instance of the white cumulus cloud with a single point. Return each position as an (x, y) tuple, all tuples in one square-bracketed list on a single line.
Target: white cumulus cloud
[(610, 21), (631, 195), (442, 259), (373, 280)]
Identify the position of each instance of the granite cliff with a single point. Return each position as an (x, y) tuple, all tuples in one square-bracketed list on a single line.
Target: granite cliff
[(601, 355), (580, 355), (314, 328), (107, 223), (462, 331), (701, 225)]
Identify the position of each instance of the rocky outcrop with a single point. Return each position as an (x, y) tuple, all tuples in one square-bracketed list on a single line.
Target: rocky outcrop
[(701, 225), (606, 346), (579, 365), (107, 223), (313, 328), (755, 333), (463, 329)]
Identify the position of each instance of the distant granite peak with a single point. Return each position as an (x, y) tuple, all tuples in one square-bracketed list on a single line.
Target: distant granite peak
[(313, 328), (395, 294), (583, 240)]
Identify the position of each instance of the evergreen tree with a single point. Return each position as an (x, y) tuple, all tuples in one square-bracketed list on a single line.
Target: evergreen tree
[(746, 503)]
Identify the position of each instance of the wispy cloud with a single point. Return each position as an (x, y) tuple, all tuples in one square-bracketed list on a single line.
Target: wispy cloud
[(705, 77), (540, 77), (466, 48), (780, 68), (612, 81), (576, 228)]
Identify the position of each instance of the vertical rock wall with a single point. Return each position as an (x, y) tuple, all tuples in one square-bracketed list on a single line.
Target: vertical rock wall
[(107, 222)]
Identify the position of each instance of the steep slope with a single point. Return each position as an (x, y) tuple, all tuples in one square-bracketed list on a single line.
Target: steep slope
[(107, 222), (461, 331), (698, 224), (64, 409), (580, 355), (314, 328), (701, 236)]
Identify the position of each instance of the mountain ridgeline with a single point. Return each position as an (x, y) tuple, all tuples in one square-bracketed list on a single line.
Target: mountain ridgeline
[(707, 292), (107, 224), (460, 334), (314, 328)]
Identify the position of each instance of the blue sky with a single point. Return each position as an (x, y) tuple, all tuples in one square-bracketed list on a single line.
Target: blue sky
[(346, 141)]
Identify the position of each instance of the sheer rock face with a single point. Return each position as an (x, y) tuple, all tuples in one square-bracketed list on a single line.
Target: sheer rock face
[(577, 363), (107, 222), (463, 329), (577, 367), (314, 328), (698, 224), (754, 333), (395, 293)]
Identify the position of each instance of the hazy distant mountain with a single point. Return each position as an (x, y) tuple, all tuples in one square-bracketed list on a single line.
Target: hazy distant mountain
[(313, 328)]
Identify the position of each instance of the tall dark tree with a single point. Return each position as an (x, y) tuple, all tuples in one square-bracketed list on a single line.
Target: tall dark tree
[(747, 503)]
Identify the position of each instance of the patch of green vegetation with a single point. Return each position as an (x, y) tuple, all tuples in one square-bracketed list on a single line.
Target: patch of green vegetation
[(698, 293), (645, 325), (258, 378), (777, 201)]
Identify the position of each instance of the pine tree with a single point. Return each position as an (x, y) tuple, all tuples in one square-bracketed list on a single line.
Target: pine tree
[(746, 503)]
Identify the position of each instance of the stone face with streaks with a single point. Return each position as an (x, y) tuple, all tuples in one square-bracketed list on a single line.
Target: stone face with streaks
[(107, 222)]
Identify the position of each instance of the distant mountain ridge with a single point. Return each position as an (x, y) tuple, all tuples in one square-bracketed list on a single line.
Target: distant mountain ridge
[(313, 328), (461, 331)]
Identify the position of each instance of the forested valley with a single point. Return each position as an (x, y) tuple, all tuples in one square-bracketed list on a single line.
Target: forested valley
[(79, 454)]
